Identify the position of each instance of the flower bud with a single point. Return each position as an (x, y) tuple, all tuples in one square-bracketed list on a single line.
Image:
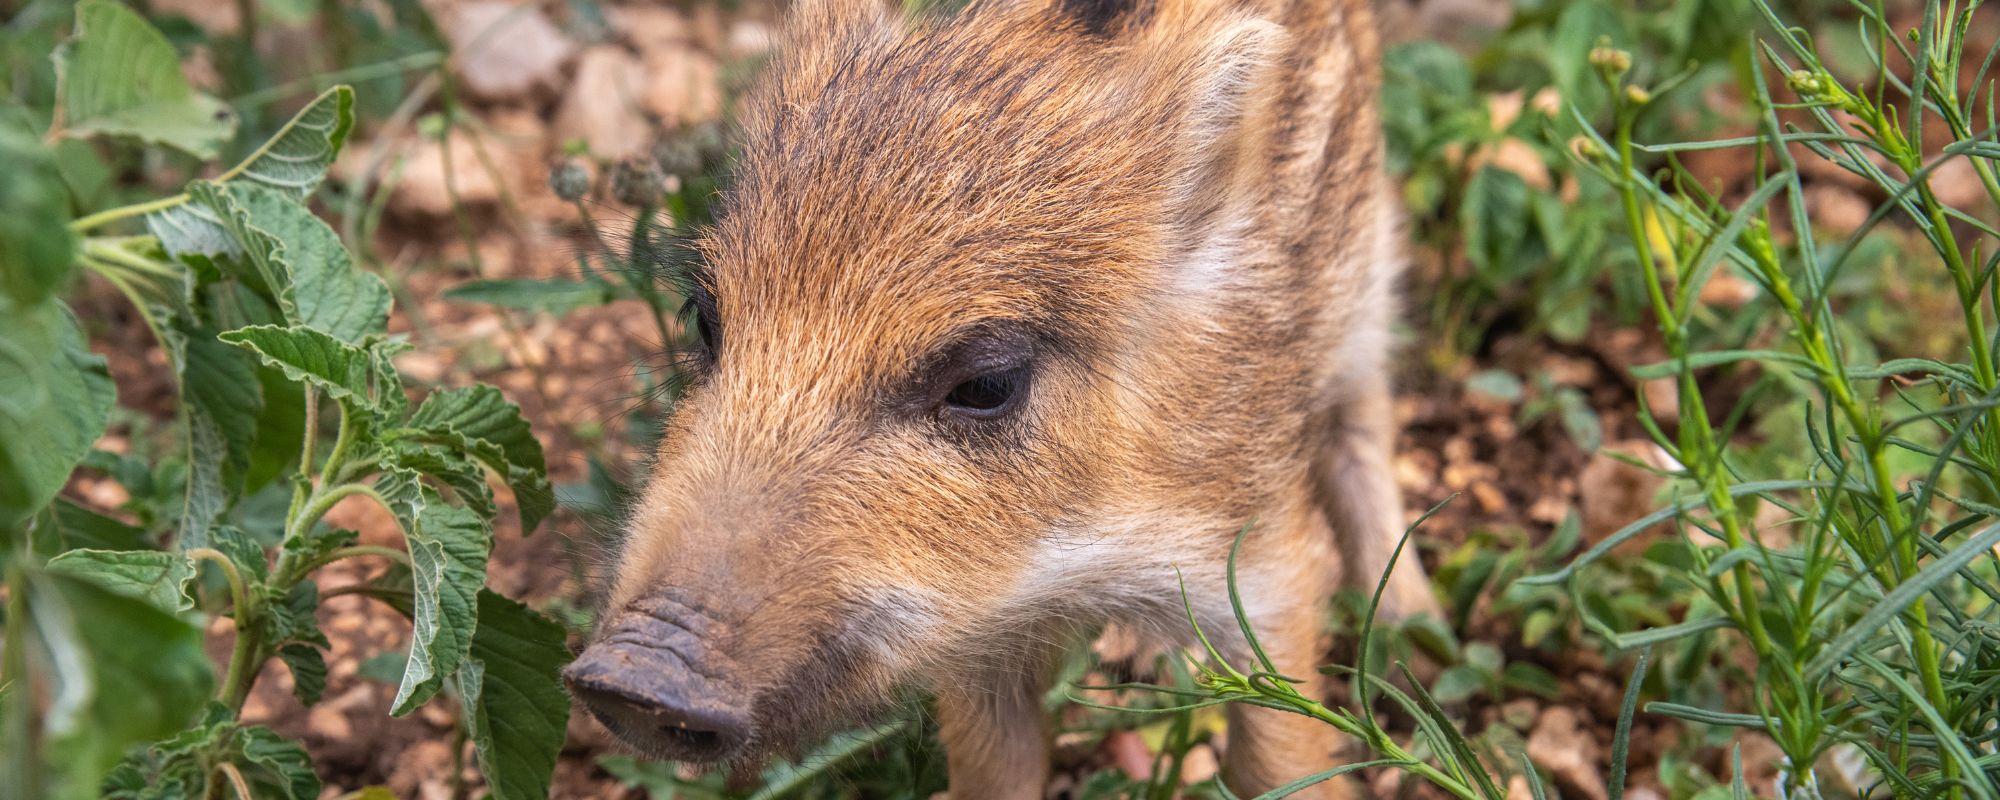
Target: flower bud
[(637, 182), (1610, 60), (1584, 148), (1805, 84), (570, 179), (1638, 95)]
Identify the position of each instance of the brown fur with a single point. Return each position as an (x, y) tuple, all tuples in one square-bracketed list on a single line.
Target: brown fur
[(1178, 210)]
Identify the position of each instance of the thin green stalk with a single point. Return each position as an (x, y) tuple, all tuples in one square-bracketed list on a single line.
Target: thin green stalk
[(301, 487), (22, 757), (300, 571), (319, 504), (111, 215), (1714, 483)]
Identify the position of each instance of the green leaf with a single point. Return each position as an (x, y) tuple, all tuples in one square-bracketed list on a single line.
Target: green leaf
[(308, 666), (1897, 600), (1495, 217), (281, 429), (482, 424), (448, 549), (1498, 384), (55, 399), (292, 163), (785, 777), (118, 76), (81, 527), (1458, 684), (156, 577), (513, 700), (174, 768), (243, 550), (555, 296), (277, 766), (118, 672), (36, 246), (222, 401), (297, 260), (466, 478), (309, 356)]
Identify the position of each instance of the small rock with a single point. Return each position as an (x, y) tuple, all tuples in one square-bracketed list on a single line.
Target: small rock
[(1130, 753), (1614, 493), (1491, 499), (1561, 745), (1836, 208), (504, 50), (329, 723), (651, 27), (748, 38), (1198, 765), (683, 86), (1957, 185), (427, 189), (601, 107)]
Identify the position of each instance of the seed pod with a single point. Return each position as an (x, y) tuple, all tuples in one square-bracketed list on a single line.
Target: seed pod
[(710, 139), (637, 182), (677, 155), (570, 179)]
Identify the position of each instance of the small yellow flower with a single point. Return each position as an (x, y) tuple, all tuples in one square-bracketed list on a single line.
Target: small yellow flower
[(1610, 60)]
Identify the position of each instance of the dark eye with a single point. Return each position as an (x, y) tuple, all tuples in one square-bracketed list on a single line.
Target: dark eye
[(700, 310), (987, 396), (711, 336)]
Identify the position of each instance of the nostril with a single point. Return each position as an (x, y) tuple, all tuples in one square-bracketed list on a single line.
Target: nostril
[(693, 737)]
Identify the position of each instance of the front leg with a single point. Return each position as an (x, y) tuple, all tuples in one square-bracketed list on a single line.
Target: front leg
[(1287, 580), (995, 735)]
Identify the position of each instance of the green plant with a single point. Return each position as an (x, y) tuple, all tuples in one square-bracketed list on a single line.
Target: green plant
[(265, 323), (1866, 604)]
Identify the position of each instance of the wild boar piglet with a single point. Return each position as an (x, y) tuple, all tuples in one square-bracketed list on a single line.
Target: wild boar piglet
[(1007, 315)]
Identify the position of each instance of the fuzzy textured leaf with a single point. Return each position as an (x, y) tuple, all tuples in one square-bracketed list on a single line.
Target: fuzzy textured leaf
[(297, 260), (277, 766), (156, 577), (36, 246), (308, 666), (119, 76), (448, 549), (309, 356), (513, 700), (292, 163), (121, 672), (481, 423), (55, 398)]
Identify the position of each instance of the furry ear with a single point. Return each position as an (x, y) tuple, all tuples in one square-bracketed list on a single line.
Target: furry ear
[(1229, 73), (1229, 82)]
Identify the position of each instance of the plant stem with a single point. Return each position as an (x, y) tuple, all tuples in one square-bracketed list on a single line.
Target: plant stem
[(319, 504), (111, 215), (238, 593), (300, 571)]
